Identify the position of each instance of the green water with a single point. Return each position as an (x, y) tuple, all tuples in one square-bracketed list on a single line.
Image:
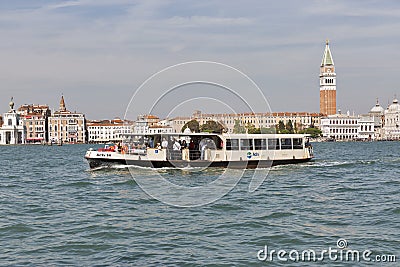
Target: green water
[(55, 211)]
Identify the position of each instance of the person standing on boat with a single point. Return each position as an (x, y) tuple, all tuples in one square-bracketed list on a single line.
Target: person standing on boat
[(151, 143), (191, 145), (164, 143), (202, 146), (176, 150), (184, 144), (185, 150), (176, 146)]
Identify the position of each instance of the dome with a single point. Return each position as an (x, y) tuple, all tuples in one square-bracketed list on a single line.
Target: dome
[(395, 106), (377, 108), (187, 130)]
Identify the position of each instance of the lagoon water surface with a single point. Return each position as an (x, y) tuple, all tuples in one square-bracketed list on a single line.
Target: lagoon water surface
[(55, 211)]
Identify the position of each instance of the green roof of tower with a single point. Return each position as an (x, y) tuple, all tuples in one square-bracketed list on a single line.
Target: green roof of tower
[(327, 58)]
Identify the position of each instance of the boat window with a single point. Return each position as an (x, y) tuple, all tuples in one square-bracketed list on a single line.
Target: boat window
[(232, 144), (273, 144), (286, 143), (260, 144), (297, 143), (246, 144)]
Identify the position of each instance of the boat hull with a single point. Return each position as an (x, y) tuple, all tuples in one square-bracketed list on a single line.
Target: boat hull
[(250, 164)]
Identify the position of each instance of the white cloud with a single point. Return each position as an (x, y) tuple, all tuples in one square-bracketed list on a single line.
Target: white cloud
[(61, 5), (351, 8), (199, 21)]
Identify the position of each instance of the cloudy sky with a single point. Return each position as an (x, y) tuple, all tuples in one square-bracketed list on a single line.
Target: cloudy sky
[(98, 52)]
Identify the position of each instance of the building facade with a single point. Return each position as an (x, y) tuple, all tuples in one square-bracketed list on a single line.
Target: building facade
[(300, 120), (347, 128), (366, 130), (327, 83), (377, 113), (66, 126), (108, 130), (144, 122), (12, 131), (391, 126), (35, 121), (160, 129)]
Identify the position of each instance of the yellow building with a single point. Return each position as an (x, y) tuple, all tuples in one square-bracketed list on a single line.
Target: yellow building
[(66, 126), (35, 121)]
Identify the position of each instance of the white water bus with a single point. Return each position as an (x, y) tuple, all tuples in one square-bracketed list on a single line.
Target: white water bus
[(203, 150)]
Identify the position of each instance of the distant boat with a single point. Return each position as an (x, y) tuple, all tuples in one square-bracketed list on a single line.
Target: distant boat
[(204, 150)]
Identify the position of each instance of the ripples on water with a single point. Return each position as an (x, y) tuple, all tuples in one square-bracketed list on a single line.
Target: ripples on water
[(54, 211)]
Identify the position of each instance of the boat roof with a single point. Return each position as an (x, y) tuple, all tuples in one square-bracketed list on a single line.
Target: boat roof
[(226, 135)]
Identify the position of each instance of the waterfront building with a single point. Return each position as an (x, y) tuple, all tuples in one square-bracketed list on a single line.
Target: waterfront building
[(378, 114), (300, 120), (12, 131), (391, 126), (108, 130), (144, 122), (366, 129), (66, 126), (327, 83), (35, 121), (159, 129), (346, 127)]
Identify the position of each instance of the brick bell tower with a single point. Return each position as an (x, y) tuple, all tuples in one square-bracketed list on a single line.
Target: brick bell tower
[(327, 83)]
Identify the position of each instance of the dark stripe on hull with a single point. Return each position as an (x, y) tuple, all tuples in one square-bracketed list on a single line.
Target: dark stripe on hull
[(96, 163), (251, 164)]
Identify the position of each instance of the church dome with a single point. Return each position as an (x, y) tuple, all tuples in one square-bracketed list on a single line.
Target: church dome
[(394, 106), (377, 108)]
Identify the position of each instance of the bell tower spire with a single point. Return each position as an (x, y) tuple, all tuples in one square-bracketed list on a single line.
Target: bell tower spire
[(327, 83), (62, 104)]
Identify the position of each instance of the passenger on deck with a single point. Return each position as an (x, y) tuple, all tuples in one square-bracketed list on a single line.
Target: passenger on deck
[(117, 147), (164, 143), (151, 143), (191, 145), (185, 151), (183, 144), (176, 146), (202, 146)]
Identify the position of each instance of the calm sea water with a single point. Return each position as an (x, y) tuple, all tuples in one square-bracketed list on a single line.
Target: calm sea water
[(55, 211)]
